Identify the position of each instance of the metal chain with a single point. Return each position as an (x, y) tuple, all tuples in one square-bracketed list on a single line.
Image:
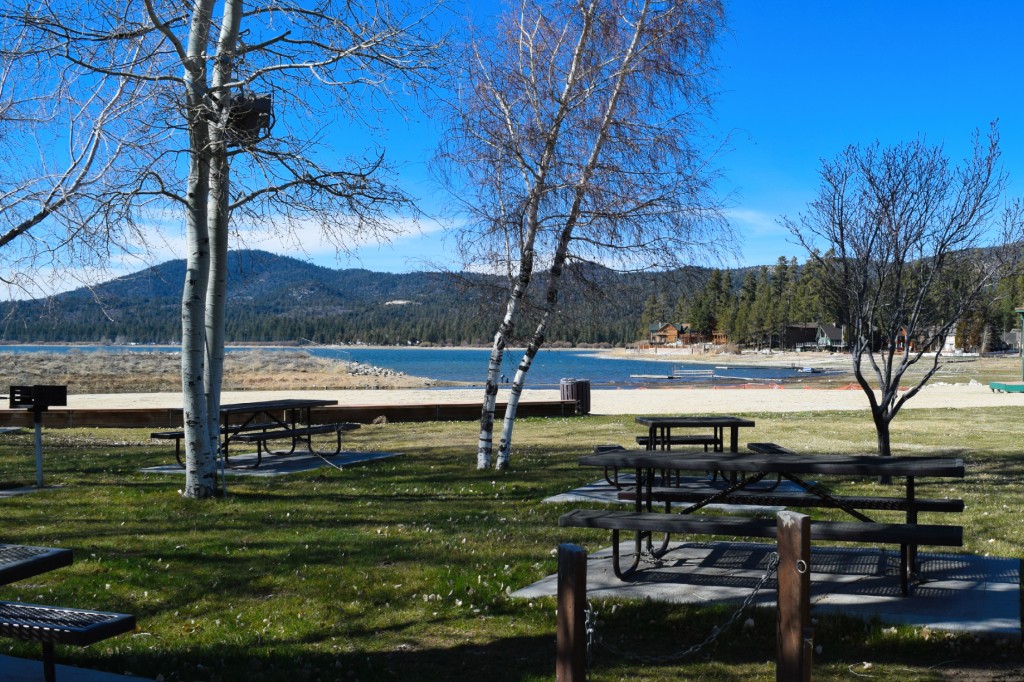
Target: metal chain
[(593, 638)]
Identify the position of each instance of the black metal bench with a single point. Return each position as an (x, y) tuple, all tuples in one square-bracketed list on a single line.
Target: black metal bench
[(906, 535), (698, 490), (706, 441), (296, 434), (178, 436), (51, 625)]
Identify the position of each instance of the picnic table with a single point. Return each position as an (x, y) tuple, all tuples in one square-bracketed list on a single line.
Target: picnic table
[(260, 422), (749, 470), (659, 431), (51, 625), (18, 562)]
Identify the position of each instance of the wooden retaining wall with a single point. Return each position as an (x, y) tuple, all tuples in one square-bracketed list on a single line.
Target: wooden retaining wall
[(170, 418)]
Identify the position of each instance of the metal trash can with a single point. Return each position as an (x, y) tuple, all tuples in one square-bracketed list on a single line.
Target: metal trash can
[(578, 390)]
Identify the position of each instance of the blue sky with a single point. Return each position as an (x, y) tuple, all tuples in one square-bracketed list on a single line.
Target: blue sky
[(797, 82)]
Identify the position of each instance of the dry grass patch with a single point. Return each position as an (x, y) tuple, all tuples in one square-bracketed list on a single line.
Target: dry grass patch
[(143, 372)]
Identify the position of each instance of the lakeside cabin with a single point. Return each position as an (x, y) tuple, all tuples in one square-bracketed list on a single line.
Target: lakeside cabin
[(672, 334)]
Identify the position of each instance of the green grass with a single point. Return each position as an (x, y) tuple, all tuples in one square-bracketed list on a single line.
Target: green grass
[(400, 570)]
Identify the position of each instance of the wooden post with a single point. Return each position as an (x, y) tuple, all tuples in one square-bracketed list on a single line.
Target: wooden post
[(795, 636), (571, 633)]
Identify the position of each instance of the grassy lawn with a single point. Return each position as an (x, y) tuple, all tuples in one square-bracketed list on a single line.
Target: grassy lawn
[(400, 570)]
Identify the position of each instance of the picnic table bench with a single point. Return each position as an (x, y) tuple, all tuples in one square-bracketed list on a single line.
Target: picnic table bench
[(263, 421), (296, 435), (677, 440), (50, 625), (179, 435), (743, 490)]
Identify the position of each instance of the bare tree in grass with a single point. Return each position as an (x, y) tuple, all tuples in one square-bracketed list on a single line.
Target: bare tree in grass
[(907, 242), (213, 78), (577, 137)]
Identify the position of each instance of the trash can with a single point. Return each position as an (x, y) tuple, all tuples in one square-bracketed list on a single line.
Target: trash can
[(578, 390)]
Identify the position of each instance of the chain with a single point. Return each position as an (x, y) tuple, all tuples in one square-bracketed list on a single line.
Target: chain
[(593, 638)]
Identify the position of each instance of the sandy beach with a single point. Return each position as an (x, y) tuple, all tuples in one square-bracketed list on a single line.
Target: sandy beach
[(610, 401)]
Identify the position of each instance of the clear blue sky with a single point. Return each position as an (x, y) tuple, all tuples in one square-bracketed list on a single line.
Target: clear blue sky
[(797, 82)]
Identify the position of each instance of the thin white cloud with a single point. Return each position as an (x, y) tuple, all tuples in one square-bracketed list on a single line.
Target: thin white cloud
[(755, 222)]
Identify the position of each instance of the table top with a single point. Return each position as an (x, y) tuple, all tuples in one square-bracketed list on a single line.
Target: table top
[(864, 465), (266, 405), (23, 561), (695, 421)]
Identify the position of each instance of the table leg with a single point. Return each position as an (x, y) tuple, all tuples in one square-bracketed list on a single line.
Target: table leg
[(911, 550)]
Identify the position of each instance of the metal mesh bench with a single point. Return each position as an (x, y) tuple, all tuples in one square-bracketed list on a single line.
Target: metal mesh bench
[(178, 436), (905, 535), (296, 435), (706, 441), (51, 625)]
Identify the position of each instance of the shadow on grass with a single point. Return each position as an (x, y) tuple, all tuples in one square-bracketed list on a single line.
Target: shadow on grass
[(519, 659)]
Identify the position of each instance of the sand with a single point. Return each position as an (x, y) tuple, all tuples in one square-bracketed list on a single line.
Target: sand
[(610, 401)]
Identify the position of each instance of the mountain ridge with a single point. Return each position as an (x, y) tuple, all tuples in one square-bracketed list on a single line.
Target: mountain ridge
[(276, 298)]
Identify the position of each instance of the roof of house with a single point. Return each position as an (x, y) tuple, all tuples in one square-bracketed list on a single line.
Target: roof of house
[(831, 331)]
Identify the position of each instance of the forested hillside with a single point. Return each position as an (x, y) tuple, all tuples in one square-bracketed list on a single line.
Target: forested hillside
[(276, 299), (279, 299)]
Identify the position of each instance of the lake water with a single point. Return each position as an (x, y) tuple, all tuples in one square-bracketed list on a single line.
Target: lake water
[(451, 364)]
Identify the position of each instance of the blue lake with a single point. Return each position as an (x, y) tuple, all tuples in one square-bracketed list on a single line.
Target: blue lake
[(450, 364)]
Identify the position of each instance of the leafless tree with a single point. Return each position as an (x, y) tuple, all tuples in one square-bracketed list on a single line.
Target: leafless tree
[(908, 242), (213, 79), (577, 137), (61, 154)]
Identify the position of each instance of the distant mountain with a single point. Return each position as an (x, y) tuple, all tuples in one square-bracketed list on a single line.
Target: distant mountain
[(278, 299)]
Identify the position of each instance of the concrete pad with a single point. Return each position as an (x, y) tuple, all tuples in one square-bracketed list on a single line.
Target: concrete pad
[(960, 592), (604, 492), (280, 465), (14, 492), (25, 670)]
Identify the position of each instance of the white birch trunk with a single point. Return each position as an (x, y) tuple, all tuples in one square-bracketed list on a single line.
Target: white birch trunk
[(200, 464), (539, 334), (485, 448), (505, 445), (218, 220)]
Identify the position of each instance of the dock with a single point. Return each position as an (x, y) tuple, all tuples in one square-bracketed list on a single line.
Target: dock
[(679, 374)]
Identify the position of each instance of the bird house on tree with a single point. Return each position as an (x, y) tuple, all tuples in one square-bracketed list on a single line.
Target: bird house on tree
[(250, 119)]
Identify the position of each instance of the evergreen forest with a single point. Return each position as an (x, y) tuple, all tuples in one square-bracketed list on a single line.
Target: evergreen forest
[(282, 300)]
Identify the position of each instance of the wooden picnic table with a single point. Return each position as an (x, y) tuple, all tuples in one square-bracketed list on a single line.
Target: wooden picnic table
[(748, 470), (659, 429)]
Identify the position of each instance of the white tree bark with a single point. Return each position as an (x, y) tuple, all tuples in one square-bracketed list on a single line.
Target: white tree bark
[(581, 185), (577, 134)]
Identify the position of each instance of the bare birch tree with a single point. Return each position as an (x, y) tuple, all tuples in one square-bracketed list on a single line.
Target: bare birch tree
[(908, 242), (62, 153), (577, 138), (215, 77)]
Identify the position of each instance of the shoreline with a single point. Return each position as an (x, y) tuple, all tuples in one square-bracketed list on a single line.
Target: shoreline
[(623, 401)]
